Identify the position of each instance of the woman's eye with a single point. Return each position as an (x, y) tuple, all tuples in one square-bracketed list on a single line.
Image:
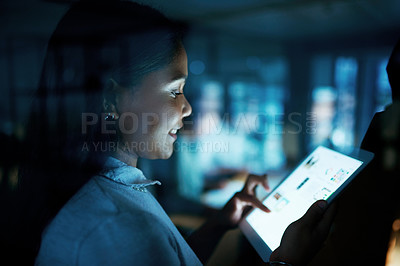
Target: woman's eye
[(175, 93)]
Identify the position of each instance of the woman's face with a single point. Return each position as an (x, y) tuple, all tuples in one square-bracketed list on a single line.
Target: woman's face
[(151, 113)]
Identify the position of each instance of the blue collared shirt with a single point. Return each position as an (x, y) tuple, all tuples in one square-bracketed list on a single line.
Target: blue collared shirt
[(126, 175), (114, 220)]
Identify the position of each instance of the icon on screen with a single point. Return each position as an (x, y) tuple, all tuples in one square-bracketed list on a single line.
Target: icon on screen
[(322, 194), (339, 176), (313, 160), (277, 196), (281, 204)]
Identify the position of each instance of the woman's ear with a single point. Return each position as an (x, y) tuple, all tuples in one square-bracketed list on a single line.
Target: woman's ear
[(109, 101)]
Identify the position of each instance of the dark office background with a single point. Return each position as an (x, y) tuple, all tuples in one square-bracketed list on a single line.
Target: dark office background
[(268, 81)]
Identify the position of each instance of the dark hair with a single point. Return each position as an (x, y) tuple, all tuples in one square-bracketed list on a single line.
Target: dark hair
[(93, 43), (393, 71)]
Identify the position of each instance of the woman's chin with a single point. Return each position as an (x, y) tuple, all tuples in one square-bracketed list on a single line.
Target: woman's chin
[(166, 154), (159, 155)]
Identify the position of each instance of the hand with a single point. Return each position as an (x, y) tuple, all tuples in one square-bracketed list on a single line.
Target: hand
[(303, 238), (204, 240), (243, 201)]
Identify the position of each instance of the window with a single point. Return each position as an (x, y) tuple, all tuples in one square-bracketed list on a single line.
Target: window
[(383, 91), (334, 101)]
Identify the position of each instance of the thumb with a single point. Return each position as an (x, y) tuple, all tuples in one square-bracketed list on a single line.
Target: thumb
[(314, 214)]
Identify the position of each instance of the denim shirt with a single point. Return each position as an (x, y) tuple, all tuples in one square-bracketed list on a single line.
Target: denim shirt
[(114, 220), (126, 175)]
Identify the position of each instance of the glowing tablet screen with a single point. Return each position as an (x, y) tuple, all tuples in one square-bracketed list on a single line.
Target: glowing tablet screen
[(317, 177)]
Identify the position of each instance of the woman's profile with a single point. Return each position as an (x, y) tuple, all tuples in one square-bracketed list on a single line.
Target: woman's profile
[(112, 92)]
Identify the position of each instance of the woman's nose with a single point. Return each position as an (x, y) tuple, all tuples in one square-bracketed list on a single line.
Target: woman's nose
[(186, 108)]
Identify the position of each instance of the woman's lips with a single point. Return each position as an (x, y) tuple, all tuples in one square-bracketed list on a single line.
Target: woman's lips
[(173, 132), (173, 135)]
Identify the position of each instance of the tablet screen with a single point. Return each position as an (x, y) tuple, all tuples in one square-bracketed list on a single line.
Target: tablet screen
[(317, 177)]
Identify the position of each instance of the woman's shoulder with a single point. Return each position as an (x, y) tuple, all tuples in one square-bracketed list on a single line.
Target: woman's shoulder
[(92, 218), (111, 238), (83, 212), (128, 239), (101, 200)]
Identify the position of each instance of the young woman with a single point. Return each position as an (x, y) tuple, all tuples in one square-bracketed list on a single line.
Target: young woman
[(111, 92)]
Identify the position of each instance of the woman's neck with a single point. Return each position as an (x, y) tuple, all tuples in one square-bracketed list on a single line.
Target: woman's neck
[(126, 157)]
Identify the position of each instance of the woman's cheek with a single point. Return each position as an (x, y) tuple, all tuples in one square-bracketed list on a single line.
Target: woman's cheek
[(173, 117)]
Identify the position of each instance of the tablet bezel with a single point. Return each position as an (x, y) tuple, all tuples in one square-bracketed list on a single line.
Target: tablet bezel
[(252, 236)]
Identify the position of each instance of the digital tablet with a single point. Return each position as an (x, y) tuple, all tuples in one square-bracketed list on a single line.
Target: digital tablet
[(323, 174)]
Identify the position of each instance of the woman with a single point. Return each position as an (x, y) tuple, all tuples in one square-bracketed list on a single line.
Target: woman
[(86, 202)]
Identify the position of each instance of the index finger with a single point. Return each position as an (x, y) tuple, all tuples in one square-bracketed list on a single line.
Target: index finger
[(249, 200), (254, 180)]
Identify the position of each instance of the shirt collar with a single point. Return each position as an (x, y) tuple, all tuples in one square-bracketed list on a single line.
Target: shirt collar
[(127, 175)]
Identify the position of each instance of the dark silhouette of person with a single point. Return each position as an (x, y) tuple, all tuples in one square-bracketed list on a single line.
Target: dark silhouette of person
[(368, 208)]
